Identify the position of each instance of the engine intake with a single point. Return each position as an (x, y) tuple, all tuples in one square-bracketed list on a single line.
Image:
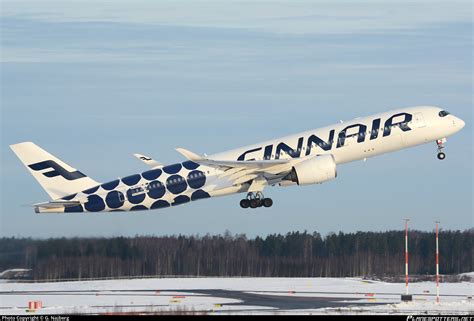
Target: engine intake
[(316, 170)]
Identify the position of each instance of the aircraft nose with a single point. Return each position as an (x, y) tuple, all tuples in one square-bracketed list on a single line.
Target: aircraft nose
[(460, 123)]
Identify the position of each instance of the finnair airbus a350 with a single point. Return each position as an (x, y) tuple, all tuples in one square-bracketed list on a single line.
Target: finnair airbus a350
[(306, 158)]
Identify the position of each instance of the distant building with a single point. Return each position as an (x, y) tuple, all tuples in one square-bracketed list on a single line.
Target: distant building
[(16, 274)]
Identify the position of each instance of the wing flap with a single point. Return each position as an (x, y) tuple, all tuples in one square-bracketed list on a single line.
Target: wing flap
[(245, 179)]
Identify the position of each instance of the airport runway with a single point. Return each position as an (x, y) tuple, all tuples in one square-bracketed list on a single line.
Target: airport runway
[(280, 302), (264, 301)]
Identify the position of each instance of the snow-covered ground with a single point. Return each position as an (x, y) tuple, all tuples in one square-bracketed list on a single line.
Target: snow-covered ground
[(240, 295)]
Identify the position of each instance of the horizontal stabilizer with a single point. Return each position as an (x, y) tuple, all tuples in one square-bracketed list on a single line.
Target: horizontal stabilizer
[(57, 204), (149, 161)]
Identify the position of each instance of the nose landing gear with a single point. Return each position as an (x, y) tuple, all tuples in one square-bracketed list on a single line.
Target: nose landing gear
[(255, 200), (440, 143)]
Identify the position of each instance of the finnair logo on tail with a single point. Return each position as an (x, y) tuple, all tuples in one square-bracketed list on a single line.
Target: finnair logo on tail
[(58, 170)]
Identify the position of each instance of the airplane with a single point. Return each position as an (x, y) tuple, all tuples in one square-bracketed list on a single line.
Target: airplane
[(310, 157)]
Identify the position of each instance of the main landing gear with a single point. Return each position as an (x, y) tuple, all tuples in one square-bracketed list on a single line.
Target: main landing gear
[(440, 143), (255, 200)]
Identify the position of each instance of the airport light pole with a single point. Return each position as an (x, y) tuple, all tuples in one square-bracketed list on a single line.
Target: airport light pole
[(406, 297), (406, 255), (437, 263)]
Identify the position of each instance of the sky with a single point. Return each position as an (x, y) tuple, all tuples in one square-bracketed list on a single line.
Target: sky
[(93, 82)]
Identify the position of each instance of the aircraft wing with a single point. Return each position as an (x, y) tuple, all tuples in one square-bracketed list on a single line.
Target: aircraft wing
[(223, 164), (244, 171)]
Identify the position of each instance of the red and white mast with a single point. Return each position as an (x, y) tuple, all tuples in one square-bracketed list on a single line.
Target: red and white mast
[(437, 264), (406, 255)]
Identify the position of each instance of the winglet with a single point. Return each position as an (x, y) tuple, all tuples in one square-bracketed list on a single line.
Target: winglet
[(190, 155), (149, 161)]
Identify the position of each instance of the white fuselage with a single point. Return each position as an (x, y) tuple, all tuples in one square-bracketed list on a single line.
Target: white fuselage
[(426, 126), (347, 141)]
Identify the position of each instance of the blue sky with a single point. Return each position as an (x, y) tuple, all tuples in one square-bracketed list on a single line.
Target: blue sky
[(94, 82)]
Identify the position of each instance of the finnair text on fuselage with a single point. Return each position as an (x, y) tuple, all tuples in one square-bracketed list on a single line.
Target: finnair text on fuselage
[(306, 144)]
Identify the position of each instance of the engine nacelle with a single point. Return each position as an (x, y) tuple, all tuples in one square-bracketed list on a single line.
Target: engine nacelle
[(316, 170)]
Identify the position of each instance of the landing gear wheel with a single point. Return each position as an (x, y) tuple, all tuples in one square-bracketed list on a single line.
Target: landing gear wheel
[(245, 203), (267, 202), (440, 143), (254, 203), (255, 200)]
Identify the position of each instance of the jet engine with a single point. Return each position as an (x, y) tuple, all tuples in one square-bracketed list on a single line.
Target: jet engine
[(316, 170)]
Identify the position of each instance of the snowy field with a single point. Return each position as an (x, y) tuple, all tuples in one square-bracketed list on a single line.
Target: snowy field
[(235, 296)]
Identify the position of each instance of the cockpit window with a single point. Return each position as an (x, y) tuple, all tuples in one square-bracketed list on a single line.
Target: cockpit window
[(443, 113)]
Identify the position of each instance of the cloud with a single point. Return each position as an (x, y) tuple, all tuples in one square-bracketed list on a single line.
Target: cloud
[(294, 17)]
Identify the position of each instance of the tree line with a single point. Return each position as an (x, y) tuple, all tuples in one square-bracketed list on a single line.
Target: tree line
[(296, 254)]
